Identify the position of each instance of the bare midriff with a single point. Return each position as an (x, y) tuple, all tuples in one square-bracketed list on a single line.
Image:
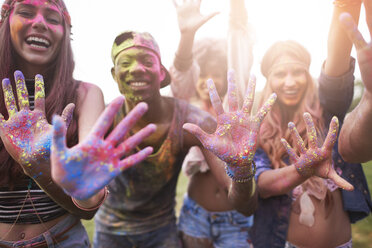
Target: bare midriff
[(328, 231), (205, 190), (20, 232)]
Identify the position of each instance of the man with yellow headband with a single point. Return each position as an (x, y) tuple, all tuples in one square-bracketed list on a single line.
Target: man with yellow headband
[(139, 212)]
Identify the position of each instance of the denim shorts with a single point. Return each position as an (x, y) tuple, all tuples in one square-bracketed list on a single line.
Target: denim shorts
[(348, 244), (224, 229), (163, 237), (75, 237)]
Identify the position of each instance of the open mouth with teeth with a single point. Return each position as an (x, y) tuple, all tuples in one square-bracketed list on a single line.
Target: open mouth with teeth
[(37, 42), (138, 84)]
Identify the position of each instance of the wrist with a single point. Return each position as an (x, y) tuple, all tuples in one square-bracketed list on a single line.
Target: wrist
[(90, 205), (241, 174), (182, 63)]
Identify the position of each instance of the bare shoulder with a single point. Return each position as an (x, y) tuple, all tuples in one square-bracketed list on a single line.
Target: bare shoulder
[(90, 105), (89, 90)]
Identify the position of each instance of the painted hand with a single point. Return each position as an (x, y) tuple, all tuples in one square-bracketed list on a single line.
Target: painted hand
[(235, 138), (189, 17), (364, 49), (27, 134), (86, 168), (314, 160)]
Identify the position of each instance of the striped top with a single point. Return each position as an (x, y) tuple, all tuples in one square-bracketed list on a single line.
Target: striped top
[(30, 85), (27, 205)]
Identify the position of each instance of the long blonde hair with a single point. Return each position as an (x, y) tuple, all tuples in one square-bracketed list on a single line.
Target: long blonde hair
[(272, 129)]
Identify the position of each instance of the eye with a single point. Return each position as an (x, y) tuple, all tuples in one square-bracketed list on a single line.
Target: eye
[(54, 21), (26, 13), (279, 74), (53, 17), (298, 72), (148, 63), (125, 63)]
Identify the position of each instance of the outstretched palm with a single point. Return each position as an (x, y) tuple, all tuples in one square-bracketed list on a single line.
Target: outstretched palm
[(189, 16), (86, 168), (27, 134), (234, 140), (315, 160)]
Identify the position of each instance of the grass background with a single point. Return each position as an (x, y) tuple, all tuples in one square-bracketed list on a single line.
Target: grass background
[(362, 230)]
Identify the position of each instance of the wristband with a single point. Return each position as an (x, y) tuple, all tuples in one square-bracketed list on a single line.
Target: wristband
[(241, 174), (105, 194)]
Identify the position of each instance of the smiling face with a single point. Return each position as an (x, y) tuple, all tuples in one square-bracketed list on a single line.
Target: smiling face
[(36, 29), (138, 73), (288, 79)]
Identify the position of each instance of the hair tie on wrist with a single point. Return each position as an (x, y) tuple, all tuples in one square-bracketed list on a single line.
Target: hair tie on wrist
[(106, 192), (241, 174)]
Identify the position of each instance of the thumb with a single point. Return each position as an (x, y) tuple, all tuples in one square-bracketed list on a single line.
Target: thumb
[(202, 136), (339, 181), (208, 17), (68, 113)]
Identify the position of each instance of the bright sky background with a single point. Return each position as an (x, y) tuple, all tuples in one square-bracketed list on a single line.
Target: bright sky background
[(96, 24)]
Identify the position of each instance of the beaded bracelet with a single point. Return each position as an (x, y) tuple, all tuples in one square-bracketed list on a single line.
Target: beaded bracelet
[(105, 194), (345, 3), (241, 174)]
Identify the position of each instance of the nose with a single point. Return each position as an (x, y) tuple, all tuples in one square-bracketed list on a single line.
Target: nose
[(137, 68), (39, 22), (290, 80)]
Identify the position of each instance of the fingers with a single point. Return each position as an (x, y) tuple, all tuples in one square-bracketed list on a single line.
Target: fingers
[(59, 134), (292, 154), (332, 134), (231, 92), (135, 140), (117, 135), (249, 95), (311, 131), (68, 113), (297, 138), (2, 120), (22, 93), (266, 108), (351, 28), (135, 158), (202, 136), (215, 99), (339, 181), (39, 93), (106, 118), (9, 99)]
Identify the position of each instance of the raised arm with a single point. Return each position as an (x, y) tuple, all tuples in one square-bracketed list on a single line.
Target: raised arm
[(336, 81), (190, 20), (338, 44), (240, 40), (234, 142), (355, 144)]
